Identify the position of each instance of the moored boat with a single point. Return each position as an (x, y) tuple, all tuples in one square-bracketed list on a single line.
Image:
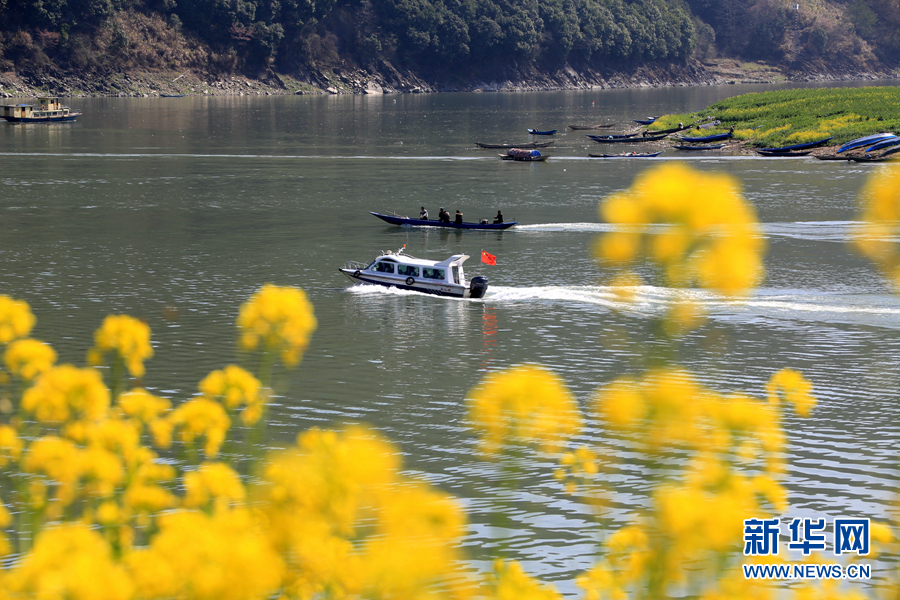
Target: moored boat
[(483, 224), (522, 145), (804, 146), (401, 271), (716, 137), (698, 146), (627, 140), (865, 141), (627, 155), (523, 155), (647, 121), (48, 110), (885, 143), (784, 154), (539, 132), (581, 127), (612, 136)]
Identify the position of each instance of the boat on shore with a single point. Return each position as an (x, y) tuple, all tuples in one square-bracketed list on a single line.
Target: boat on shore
[(612, 136), (716, 137), (784, 154), (804, 146), (627, 155), (407, 221), (628, 140), (522, 145), (647, 121), (865, 141), (401, 271), (698, 146), (582, 127), (49, 109)]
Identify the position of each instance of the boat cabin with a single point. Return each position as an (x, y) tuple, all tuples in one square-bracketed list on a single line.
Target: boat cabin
[(449, 271), (15, 111)]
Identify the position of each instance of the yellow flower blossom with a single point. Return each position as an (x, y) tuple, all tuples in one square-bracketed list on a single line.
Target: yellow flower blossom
[(71, 562), (215, 482), (28, 358), (880, 200), (225, 556), (280, 319), (235, 387), (16, 319), (715, 243), (523, 405), (144, 493), (128, 337), (10, 445), (510, 582), (142, 405), (67, 393), (792, 387), (201, 417)]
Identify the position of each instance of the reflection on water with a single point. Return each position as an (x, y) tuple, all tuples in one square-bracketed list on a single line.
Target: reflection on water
[(177, 212)]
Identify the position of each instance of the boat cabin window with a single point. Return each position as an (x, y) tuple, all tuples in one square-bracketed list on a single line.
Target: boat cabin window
[(455, 270), (408, 270), (434, 274), (383, 267)]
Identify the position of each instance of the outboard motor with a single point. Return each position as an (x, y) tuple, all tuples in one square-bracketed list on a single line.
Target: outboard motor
[(478, 287)]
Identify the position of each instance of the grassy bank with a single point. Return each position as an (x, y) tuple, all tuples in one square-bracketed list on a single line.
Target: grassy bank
[(796, 116)]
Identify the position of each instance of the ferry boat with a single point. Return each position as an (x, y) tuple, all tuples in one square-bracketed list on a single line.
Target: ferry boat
[(48, 109), (401, 271)]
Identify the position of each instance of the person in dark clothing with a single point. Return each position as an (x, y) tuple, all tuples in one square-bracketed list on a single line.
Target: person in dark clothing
[(443, 216), (498, 218), (458, 220)]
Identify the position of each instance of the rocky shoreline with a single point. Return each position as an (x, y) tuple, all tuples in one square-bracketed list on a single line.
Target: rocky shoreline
[(387, 80)]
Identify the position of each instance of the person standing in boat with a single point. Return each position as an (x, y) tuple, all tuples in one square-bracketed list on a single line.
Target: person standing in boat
[(423, 214), (458, 220), (499, 218)]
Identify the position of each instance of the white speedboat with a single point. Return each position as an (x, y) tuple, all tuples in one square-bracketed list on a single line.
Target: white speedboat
[(399, 270)]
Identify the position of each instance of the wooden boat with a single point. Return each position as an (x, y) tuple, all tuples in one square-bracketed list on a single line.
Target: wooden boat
[(523, 155), (627, 155), (879, 158), (804, 146), (580, 127), (612, 136), (522, 145), (865, 141), (830, 157), (401, 271), (484, 224), (698, 146), (668, 131), (172, 95), (538, 132), (629, 140), (647, 121), (49, 110), (707, 138), (784, 154)]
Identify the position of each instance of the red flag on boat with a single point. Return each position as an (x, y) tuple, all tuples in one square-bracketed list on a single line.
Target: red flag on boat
[(488, 258)]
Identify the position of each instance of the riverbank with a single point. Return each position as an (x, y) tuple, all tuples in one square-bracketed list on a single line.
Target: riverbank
[(387, 79)]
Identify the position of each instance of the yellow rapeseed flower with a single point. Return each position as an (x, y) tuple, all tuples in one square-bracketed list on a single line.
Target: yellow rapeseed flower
[(28, 358), (201, 417), (10, 445), (128, 337), (235, 387), (711, 237), (67, 393), (280, 319), (213, 482), (142, 405), (16, 319), (72, 562), (510, 582), (526, 405), (874, 237), (792, 387)]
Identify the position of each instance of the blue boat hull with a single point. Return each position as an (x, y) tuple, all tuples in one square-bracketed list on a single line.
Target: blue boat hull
[(805, 146), (429, 223), (709, 138), (864, 141), (537, 132)]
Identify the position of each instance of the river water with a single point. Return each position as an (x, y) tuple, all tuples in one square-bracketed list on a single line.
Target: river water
[(175, 210)]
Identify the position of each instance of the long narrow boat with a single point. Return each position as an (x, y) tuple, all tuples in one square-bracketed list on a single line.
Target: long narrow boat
[(885, 143), (647, 121), (707, 138), (612, 136), (627, 155), (879, 158), (698, 146), (629, 140), (667, 131), (398, 220), (539, 132), (805, 146), (865, 141), (580, 127), (522, 145), (784, 154), (830, 157)]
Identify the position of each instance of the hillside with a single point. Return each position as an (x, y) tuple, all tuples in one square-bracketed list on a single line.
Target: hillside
[(357, 46)]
